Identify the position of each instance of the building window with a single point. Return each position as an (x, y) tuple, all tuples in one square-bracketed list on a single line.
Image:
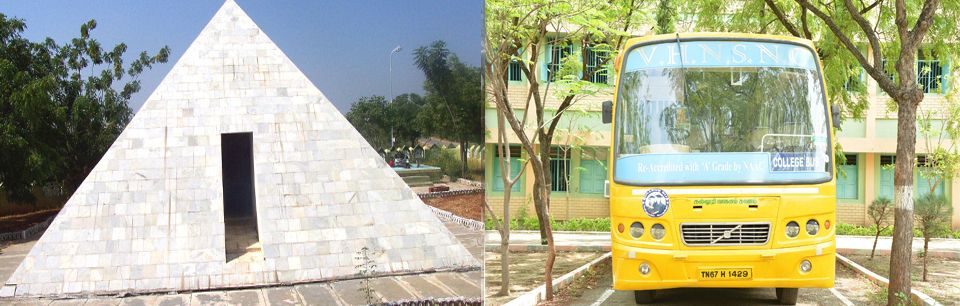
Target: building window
[(559, 169), (886, 176), (847, 185), (514, 162), (555, 56), (930, 76), (855, 83), (593, 170), (514, 71), (596, 58), (888, 68), (925, 182)]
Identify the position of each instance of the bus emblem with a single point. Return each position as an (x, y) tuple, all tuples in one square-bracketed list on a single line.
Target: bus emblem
[(656, 202)]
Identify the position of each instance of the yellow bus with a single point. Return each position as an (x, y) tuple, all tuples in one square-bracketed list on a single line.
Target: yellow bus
[(723, 172)]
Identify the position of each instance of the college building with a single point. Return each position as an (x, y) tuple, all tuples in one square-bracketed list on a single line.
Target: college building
[(581, 146)]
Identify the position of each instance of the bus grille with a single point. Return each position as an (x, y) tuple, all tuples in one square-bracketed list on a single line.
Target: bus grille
[(716, 234)]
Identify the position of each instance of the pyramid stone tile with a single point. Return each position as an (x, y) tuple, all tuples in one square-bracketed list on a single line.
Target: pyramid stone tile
[(150, 215)]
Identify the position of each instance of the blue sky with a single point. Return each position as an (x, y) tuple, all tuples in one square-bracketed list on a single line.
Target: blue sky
[(342, 46)]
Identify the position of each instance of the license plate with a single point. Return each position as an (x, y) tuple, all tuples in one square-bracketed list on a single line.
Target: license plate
[(726, 274)]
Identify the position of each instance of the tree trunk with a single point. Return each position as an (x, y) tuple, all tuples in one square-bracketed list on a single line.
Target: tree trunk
[(926, 242), (875, 238), (463, 158), (901, 251), (541, 195), (551, 257), (542, 217), (505, 234), (541, 201)]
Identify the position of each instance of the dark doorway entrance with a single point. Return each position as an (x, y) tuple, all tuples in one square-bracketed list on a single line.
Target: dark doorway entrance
[(239, 195)]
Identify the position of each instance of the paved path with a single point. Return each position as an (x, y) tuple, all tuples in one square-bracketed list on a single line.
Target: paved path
[(849, 290), (395, 288), (602, 239), (10, 256)]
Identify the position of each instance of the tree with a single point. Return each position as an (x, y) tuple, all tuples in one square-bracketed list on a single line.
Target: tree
[(933, 219), (860, 34), (878, 212), (454, 97), (666, 12), (61, 106), (369, 116), (943, 163), (508, 179), (519, 31), (403, 114)]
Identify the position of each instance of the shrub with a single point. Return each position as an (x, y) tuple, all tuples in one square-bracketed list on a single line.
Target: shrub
[(447, 159), (933, 220), (879, 211)]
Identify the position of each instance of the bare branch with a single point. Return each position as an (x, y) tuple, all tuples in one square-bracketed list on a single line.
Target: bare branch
[(870, 7), (901, 20), (924, 20), (803, 22), (871, 69), (783, 18)]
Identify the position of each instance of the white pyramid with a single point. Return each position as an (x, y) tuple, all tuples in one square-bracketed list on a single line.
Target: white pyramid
[(150, 216)]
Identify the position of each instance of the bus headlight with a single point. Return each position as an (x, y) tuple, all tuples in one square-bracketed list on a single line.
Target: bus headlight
[(636, 229), (657, 231), (805, 266), (813, 227), (793, 229)]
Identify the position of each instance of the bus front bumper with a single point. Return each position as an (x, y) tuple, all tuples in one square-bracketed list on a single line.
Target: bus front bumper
[(768, 268)]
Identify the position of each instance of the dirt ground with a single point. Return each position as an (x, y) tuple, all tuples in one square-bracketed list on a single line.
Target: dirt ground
[(468, 206), (526, 271), (585, 282), (24, 221), (943, 275)]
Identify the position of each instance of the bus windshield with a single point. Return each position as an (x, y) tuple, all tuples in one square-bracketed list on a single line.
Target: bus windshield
[(721, 112)]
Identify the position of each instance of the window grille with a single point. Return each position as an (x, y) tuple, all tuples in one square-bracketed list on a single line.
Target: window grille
[(559, 169), (556, 56), (594, 59)]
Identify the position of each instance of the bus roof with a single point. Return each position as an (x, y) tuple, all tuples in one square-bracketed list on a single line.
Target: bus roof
[(720, 35)]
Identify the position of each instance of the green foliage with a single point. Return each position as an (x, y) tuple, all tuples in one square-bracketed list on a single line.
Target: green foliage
[(378, 120), (856, 230), (525, 222), (445, 158), (666, 12), (454, 102), (879, 210), (366, 270), (60, 109), (369, 116), (933, 213)]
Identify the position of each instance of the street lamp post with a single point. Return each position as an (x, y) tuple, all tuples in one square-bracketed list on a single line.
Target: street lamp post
[(393, 139), (392, 52)]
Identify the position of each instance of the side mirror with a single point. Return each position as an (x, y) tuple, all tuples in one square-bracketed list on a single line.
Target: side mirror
[(835, 113), (607, 112)]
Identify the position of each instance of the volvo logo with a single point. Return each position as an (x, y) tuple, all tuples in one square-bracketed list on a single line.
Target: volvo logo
[(656, 202), (726, 234)]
